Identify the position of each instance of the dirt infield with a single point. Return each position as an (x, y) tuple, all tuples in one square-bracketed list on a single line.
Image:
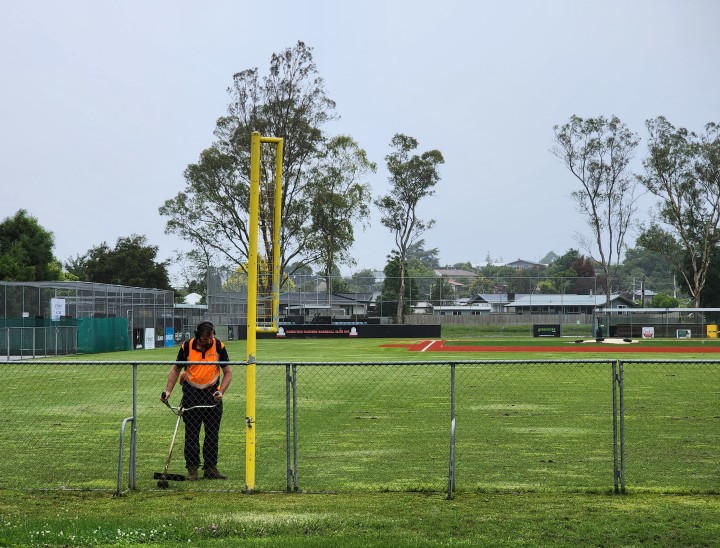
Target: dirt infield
[(569, 346)]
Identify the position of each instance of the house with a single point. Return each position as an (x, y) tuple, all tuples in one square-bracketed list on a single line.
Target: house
[(454, 273), (451, 276), (564, 304), (470, 309), (422, 307), (522, 264), (639, 294), (496, 300)]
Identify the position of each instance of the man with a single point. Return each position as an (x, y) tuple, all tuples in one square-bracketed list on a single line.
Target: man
[(202, 384)]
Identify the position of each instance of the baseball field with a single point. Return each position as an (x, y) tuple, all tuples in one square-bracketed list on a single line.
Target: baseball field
[(531, 485)]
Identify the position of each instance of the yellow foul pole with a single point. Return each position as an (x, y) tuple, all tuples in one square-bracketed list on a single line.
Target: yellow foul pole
[(276, 233), (252, 327), (252, 312)]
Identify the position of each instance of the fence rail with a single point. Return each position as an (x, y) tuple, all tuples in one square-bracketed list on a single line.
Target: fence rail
[(507, 425)]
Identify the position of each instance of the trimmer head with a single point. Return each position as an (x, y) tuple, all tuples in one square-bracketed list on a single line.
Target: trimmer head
[(168, 477)]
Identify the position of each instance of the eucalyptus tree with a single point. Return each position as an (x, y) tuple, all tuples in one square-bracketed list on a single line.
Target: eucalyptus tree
[(211, 212), (395, 295), (682, 170), (339, 199), (412, 178), (598, 152)]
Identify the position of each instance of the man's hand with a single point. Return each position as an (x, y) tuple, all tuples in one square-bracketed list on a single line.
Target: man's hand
[(164, 397), (217, 395)]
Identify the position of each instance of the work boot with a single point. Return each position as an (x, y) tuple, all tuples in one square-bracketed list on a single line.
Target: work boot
[(213, 473), (192, 473)]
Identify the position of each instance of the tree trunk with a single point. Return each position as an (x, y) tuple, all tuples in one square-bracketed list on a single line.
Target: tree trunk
[(399, 316)]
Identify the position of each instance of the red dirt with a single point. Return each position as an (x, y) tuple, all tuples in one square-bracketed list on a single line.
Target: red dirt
[(439, 346)]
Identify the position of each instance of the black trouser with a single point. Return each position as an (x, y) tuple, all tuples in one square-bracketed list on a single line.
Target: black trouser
[(195, 419)]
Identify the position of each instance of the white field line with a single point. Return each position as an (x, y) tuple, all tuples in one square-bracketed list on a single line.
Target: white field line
[(428, 346)]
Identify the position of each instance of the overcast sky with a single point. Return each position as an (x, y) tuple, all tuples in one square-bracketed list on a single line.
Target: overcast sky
[(103, 104)]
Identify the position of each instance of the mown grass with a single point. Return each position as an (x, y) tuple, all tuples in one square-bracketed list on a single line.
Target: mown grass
[(510, 433), (375, 519)]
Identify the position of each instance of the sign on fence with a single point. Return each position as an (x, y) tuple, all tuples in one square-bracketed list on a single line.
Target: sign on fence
[(57, 307), (546, 330)]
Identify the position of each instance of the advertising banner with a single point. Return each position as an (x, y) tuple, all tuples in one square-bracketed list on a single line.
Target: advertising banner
[(169, 337), (149, 337)]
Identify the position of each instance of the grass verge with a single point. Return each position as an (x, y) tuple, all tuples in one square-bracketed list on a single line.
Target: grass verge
[(389, 519)]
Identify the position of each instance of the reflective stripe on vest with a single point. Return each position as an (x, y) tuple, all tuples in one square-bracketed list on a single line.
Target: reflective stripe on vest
[(201, 375)]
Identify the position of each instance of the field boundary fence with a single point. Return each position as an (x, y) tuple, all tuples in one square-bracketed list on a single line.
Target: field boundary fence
[(435, 426), (18, 343)]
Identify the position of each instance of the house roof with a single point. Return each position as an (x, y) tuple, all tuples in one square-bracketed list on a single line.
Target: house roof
[(646, 292), (567, 300), (455, 273), (522, 263), (495, 298)]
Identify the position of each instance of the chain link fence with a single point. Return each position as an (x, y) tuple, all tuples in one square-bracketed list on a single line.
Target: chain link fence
[(672, 424), (482, 426), (17, 343)]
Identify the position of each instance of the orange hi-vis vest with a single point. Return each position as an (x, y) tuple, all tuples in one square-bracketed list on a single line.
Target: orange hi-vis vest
[(201, 375)]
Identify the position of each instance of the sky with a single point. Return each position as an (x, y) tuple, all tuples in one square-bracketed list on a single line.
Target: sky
[(104, 104)]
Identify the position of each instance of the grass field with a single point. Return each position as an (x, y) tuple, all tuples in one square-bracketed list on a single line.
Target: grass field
[(529, 432)]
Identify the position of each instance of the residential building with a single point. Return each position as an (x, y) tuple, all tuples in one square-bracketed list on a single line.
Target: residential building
[(565, 304)]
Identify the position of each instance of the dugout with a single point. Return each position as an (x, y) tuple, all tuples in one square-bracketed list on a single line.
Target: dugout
[(664, 322)]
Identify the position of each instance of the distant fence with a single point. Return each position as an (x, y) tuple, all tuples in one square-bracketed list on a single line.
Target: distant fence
[(31, 342), (46, 338), (489, 426)]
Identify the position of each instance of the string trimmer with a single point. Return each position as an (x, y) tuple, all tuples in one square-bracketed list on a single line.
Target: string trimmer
[(164, 477)]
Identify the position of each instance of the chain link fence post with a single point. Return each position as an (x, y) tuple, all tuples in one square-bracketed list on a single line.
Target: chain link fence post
[(616, 471), (622, 427), (451, 474), (288, 387), (295, 428)]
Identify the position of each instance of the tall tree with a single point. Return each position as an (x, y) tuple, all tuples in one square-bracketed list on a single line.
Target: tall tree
[(598, 151), (428, 257), (211, 212), (363, 281), (339, 199), (131, 262), (193, 274), (682, 170), (390, 298), (643, 268), (26, 250), (549, 258), (423, 277), (441, 292), (572, 272), (481, 284), (412, 178), (710, 295)]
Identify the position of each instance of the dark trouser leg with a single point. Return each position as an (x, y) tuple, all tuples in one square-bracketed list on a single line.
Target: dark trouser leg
[(212, 419), (193, 423), (192, 439)]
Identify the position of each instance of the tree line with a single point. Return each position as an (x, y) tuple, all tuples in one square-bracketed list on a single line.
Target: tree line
[(681, 171)]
